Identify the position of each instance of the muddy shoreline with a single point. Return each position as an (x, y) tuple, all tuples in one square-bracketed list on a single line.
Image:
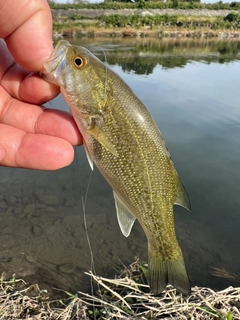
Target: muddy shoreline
[(142, 33)]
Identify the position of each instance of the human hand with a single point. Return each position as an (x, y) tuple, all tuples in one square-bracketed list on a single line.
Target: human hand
[(30, 135)]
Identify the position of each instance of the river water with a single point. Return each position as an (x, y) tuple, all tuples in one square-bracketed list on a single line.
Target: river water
[(192, 89)]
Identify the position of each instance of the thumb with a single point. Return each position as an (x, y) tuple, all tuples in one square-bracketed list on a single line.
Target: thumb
[(26, 26)]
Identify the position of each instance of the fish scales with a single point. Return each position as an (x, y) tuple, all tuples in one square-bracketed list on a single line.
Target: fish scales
[(123, 140)]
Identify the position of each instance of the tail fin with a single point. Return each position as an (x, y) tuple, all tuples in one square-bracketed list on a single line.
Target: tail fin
[(163, 272)]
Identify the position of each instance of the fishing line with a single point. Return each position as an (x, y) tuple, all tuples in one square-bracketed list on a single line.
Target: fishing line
[(84, 203), (106, 72), (92, 264)]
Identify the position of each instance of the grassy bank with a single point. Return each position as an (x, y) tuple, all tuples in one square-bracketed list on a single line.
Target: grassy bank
[(145, 23), (120, 298), (185, 5), (159, 26)]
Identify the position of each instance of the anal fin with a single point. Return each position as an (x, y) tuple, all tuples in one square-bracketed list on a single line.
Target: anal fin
[(125, 217), (182, 198)]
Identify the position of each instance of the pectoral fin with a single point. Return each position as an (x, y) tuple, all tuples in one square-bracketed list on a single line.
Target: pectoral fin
[(102, 138), (182, 196), (89, 156), (125, 217)]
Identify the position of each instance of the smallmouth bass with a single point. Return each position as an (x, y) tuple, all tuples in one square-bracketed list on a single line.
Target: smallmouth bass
[(122, 139)]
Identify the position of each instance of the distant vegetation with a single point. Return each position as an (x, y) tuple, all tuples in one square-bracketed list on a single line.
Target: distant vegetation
[(231, 21), (109, 4), (76, 23), (155, 22)]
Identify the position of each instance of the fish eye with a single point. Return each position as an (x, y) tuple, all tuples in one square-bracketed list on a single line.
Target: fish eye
[(79, 62)]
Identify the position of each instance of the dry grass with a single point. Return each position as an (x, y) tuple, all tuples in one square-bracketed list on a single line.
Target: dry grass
[(222, 273), (121, 298)]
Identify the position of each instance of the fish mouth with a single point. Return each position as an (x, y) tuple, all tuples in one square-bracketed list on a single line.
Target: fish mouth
[(57, 62)]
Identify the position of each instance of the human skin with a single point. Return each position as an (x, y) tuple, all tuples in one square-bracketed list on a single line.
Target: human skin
[(31, 136)]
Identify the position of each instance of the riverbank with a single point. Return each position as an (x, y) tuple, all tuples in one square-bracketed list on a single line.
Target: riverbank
[(124, 297), (173, 23), (145, 32)]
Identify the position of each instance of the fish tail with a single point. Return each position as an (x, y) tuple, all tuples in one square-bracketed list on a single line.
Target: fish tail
[(162, 272)]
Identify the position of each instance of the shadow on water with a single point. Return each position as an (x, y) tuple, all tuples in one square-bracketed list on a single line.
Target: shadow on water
[(192, 90)]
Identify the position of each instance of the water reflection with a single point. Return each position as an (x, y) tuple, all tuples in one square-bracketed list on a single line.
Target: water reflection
[(192, 90), (144, 55)]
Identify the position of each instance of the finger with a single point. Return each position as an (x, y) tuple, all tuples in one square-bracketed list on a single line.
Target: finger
[(33, 151), (28, 87), (26, 26), (36, 119), (34, 89), (60, 124), (21, 84)]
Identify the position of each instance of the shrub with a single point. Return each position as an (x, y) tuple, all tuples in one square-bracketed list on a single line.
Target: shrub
[(232, 17)]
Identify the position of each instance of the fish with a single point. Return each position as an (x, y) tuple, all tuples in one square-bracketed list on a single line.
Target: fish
[(123, 141)]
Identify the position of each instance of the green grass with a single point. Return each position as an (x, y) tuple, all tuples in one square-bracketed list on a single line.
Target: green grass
[(231, 21), (185, 5)]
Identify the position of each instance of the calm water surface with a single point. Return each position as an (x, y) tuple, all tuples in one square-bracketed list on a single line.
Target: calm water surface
[(192, 89)]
